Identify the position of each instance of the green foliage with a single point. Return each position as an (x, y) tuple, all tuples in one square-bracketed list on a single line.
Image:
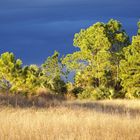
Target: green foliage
[(53, 71), (96, 63), (88, 93), (28, 79), (130, 69), (52, 67), (4, 85), (32, 79), (59, 86), (133, 93), (11, 71), (97, 93), (106, 66)]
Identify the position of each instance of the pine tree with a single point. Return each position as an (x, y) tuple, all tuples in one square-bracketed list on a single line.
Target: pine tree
[(98, 44), (130, 69), (52, 73), (11, 71)]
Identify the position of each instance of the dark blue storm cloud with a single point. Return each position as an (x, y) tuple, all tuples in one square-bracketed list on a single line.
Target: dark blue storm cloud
[(33, 29)]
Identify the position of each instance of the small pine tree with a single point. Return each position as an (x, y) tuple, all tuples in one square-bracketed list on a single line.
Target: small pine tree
[(52, 72)]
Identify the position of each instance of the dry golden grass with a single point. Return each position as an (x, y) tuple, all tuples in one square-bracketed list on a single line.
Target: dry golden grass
[(133, 104), (73, 120)]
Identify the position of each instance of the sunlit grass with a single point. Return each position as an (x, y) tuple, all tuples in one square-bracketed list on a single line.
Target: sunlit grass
[(73, 120)]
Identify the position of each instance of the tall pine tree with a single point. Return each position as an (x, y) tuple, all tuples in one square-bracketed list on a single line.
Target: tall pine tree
[(94, 62), (130, 69)]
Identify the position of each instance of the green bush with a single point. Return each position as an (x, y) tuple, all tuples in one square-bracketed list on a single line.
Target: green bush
[(97, 93), (119, 95), (133, 93), (59, 86)]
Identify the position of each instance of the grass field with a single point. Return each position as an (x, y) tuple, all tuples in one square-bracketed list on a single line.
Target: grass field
[(73, 120)]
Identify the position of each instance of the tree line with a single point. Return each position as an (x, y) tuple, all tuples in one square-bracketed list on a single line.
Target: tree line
[(106, 66)]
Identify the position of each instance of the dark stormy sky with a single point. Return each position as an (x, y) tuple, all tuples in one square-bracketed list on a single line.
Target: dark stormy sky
[(33, 29)]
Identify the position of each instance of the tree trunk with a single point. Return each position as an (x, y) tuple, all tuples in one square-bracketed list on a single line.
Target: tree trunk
[(16, 101), (7, 98)]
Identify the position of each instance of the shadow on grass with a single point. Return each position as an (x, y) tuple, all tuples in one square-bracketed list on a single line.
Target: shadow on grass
[(108, 108), (41, 101), (49, 100)]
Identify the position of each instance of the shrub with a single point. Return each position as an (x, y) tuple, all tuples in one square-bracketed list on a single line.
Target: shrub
[(97, 93), (133, 93), (77, 90), (59, 86)]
